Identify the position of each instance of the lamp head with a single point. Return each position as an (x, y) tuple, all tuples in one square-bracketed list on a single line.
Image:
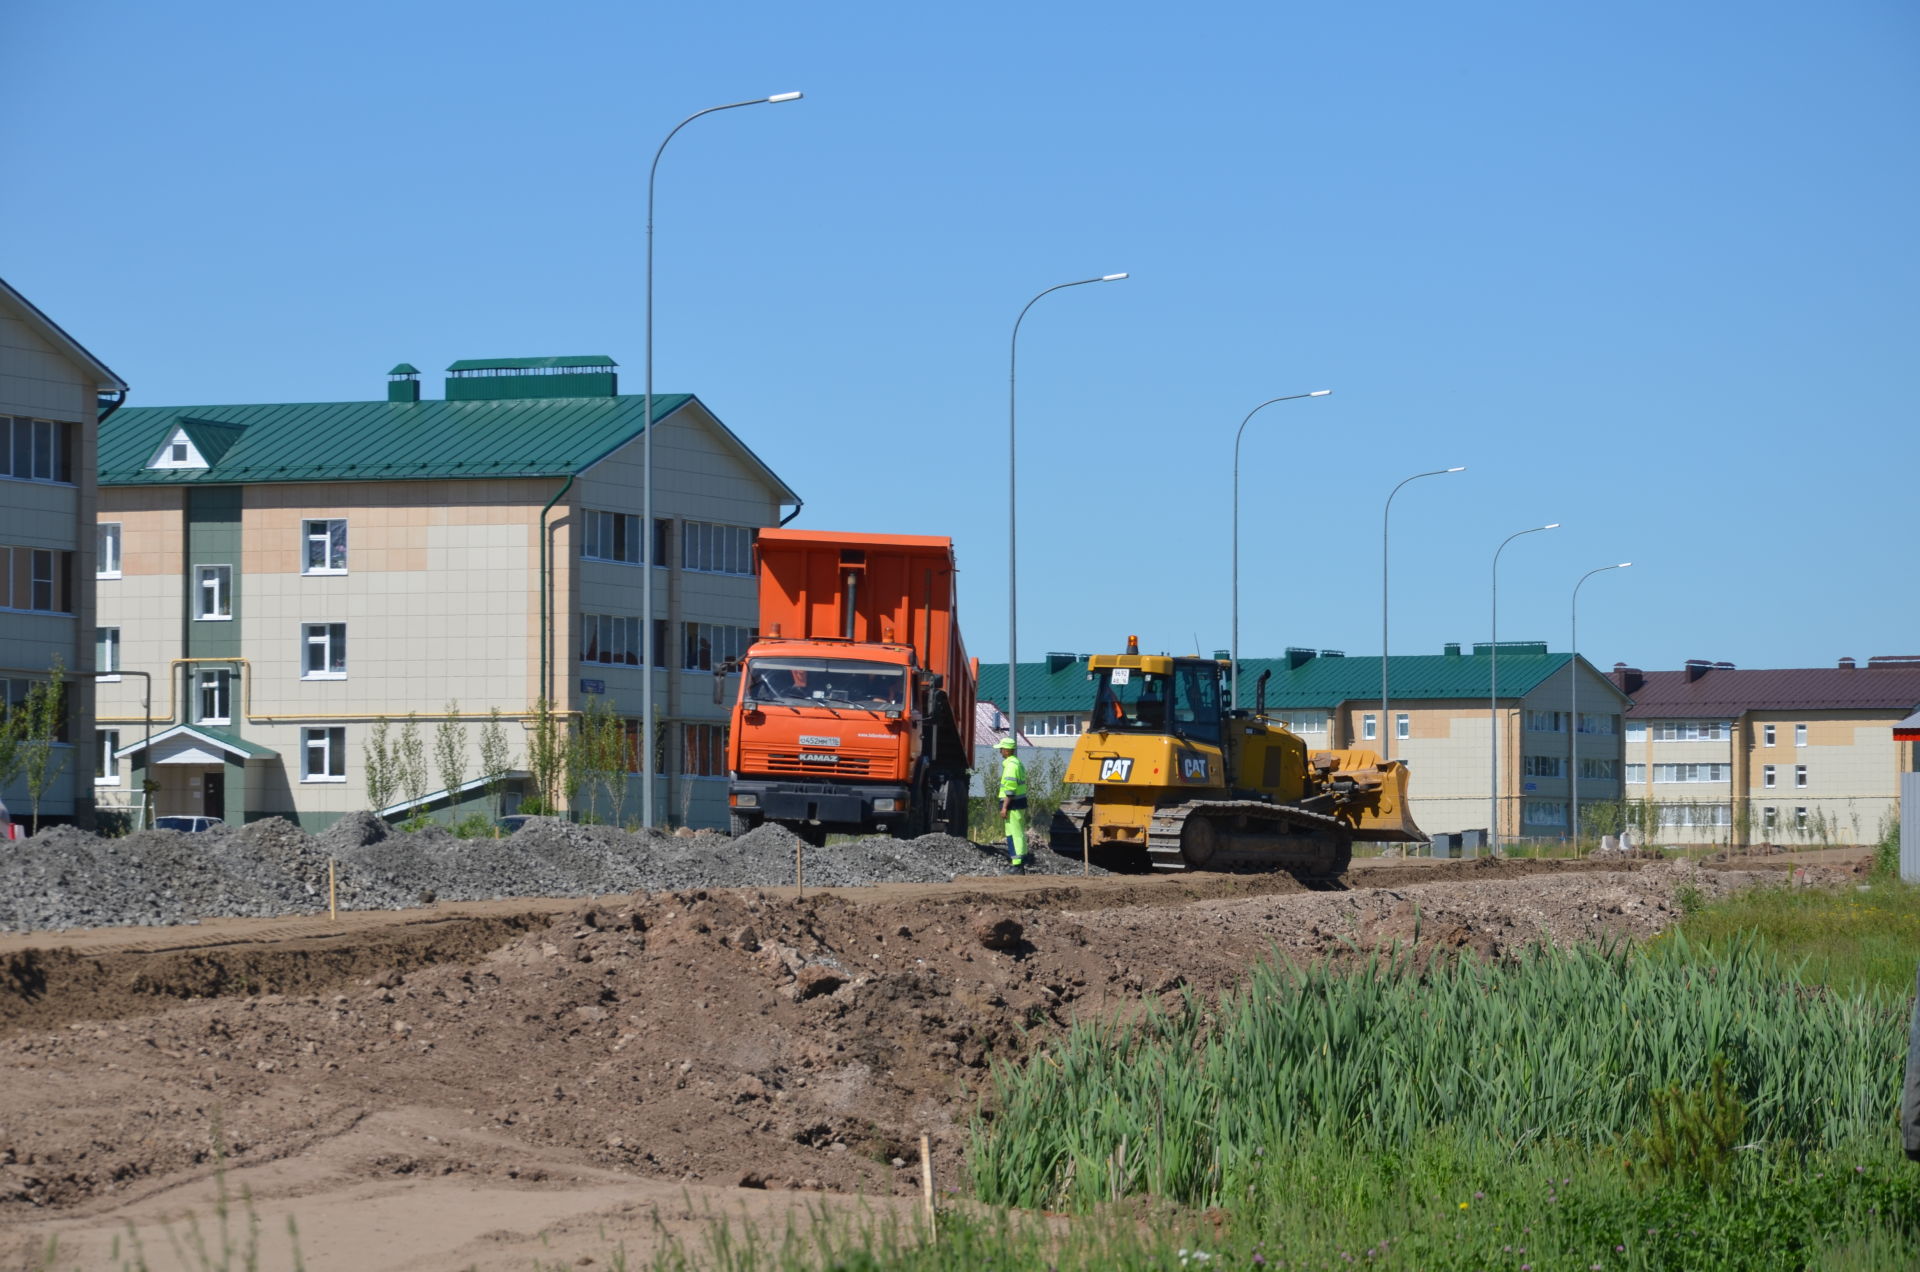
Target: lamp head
[(786, 97), (1320, 393), (1623, 565), (1551, 525), (1461, 469), (1111, 278)]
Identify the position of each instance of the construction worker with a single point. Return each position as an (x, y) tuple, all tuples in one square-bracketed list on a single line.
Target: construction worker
[(1013, 803)]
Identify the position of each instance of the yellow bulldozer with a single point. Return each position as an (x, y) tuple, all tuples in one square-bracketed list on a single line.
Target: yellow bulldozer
[(1181, 782)]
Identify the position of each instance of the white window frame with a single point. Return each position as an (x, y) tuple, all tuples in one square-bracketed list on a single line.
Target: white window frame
[(331, 742), (323, 641), (1302, 723), (221, 576), (716, 547), (1800, 735), (1636, 730), (1768, 776), (106, 765), (1766, 735), (106, 559), (1544, 812), (1539, 766), (308, 539), (1369, 727), (1402, 726), (722, 640), (598, 535), (220, 684), (1636, 775), (107, 655), (1800, 817), (1681, 774), (1800, 775)]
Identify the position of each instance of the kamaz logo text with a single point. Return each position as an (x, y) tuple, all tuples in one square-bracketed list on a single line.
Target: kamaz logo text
[(1116, 770)]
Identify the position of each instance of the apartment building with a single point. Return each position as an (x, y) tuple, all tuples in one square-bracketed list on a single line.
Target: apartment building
[(52, 394), (1443, 715), (289, 574), (1796, 756)]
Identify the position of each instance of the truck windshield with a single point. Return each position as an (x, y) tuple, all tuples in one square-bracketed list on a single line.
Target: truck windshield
[(836, 682), (1130, 700)]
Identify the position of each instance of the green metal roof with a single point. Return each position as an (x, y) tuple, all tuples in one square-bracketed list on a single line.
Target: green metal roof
[(405, 368), (1320, 682), (531, 364), (231, 743), (377, 441)]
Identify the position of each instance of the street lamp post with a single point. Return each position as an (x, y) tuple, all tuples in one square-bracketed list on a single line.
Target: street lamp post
[(1013, 506), (646, 473), (1236, 525), (1386, 724), (1573, 707), (1493, 669)]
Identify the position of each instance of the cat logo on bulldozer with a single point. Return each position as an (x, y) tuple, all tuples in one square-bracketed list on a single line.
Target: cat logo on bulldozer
[(1118, 769), (1193, 768)]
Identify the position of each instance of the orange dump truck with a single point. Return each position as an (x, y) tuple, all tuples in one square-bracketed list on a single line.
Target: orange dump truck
[(855, 707)]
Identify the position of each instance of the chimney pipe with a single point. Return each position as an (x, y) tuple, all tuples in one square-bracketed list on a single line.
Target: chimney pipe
[(1846, 664)]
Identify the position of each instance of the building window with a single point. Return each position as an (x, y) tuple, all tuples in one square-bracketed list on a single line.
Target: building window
[(323, 755), (1369, 727), (325, 546), (1547, 721), (712, 548), (1766, 775), (323, 651), (1636, 730), (1799, 775), (1799, 735), (1604, 770), (1692, 772), (1054, 726), (215, 697), (1302, 722), (1766, 735), (36, 579), (707, 645), (613, 640), (215, 600), (178, 452), (1545, 812), (1543, 766), (615, 536), (106, 550), (703, 750), (1636, 775), (36, 450), (1695, 814), (106, 765), (1606, 725), (1800, 818), (1402, 726), (1769, 818), (106, 653), (1691, 731)]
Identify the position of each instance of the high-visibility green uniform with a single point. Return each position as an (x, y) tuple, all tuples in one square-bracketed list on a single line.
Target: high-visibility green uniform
[(1013, 789)]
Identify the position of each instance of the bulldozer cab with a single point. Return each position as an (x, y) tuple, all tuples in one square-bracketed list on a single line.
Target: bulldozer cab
[(1180, 696)]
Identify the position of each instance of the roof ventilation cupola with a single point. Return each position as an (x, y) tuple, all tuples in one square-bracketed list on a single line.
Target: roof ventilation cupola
[(403, 383)]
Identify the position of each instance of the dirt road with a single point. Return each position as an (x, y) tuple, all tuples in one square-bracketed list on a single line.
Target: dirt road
[(477, 1085)]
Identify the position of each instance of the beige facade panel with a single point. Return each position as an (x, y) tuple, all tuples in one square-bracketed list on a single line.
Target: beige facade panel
[(38, 379)]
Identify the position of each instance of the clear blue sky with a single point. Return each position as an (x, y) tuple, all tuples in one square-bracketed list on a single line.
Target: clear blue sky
[(1646, 268)]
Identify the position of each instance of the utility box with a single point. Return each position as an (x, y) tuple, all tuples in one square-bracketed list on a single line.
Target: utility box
[(1910, 827)]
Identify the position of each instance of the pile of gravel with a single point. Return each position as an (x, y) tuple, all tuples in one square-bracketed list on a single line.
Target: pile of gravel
[(64, 877)]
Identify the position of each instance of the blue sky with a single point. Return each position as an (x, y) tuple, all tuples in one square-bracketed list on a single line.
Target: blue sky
[(1645, 268)]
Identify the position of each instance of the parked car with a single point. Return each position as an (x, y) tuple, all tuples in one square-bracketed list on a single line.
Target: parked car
[(187, 825), (511, 822)]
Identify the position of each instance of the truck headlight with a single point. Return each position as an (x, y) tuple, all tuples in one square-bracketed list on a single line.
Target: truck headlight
[(886, 805), (746, 801)]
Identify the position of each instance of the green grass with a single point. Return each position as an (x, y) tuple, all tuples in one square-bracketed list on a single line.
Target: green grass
[(1847, 940)]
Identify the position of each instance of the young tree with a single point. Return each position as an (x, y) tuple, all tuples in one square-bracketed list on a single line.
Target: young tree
[(496, 757), (43, 713), (411, 763), (379, 765), (546, 756), (450, 754)]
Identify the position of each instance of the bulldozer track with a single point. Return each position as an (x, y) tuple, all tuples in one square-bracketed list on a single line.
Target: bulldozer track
[(1326, 853)]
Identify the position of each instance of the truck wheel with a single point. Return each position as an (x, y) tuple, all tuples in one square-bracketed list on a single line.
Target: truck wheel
[(740, 823)]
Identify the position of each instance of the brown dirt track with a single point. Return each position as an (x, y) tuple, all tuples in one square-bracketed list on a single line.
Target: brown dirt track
[(436, 1088)]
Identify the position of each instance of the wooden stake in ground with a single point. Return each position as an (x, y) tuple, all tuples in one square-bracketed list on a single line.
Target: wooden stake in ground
[(926, 1184), (333, 895), (799, 871), (1086, 850)]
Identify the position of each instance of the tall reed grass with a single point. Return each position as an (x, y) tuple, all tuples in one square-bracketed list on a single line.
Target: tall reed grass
[(1558, 1049)]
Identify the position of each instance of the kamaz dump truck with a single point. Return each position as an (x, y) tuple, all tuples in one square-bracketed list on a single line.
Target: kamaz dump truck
[(855, 706)]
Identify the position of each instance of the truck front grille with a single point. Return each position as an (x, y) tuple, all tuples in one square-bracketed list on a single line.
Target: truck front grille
[(794, 762)]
